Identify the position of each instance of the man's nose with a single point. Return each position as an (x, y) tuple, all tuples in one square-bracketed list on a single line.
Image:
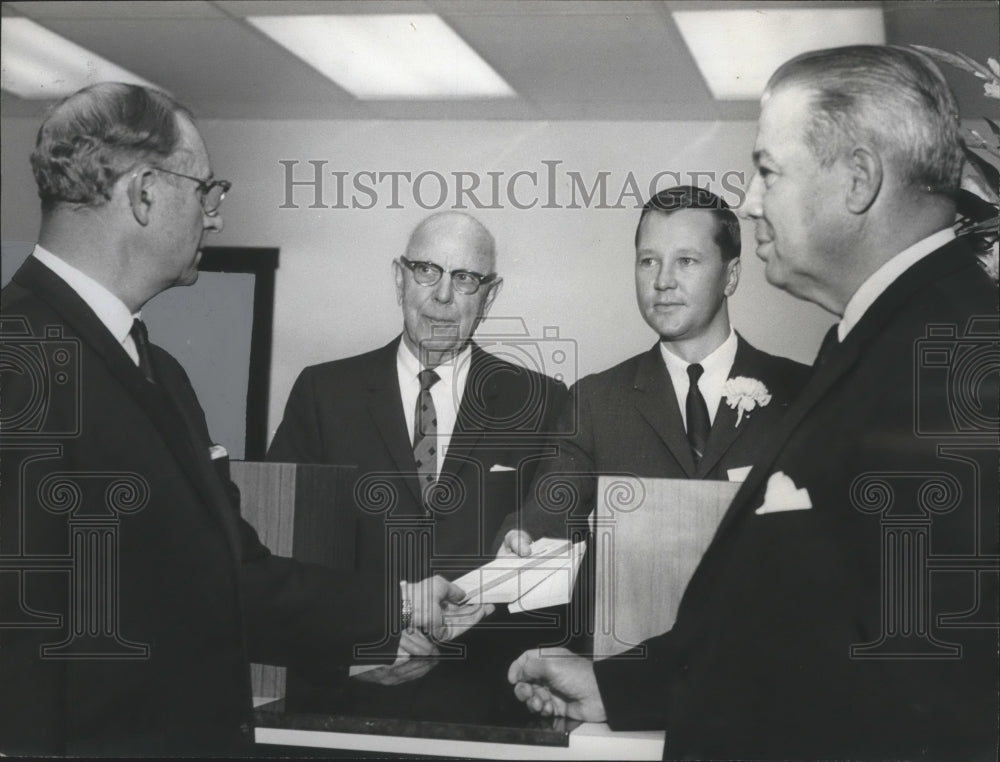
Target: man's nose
[(751, 207), (213, 222), (665, 278), (444, 292)]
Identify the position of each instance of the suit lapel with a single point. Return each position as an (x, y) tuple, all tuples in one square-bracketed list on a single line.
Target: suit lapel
[(933, 267), (470, 424), (386, 410), (201, 462), (151, 399), (724, 429), (656, 401)]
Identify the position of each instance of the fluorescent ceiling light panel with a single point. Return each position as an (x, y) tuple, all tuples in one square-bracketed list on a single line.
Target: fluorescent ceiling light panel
[(387, 56), (36, 63), (738, 50)]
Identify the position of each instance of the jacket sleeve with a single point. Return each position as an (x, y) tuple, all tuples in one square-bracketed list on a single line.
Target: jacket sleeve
[(634, 684), (298, 438), (297, 613), (561, 494)]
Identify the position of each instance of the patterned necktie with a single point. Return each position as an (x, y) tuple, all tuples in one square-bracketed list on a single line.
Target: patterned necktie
[(425, 430), (141, 339), (830, 343), (698, 423)]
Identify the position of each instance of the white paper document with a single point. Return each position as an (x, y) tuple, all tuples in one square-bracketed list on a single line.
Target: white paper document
[(545, 578)]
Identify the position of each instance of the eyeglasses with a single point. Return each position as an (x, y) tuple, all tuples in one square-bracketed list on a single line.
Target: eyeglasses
[(463, 281), (212, 191)]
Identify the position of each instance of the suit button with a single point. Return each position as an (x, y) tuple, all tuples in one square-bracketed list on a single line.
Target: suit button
[(246, 729)]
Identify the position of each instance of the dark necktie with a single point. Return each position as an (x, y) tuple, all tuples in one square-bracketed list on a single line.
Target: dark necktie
[(425, 430), (141, 339), (830, 343), (698, 423)]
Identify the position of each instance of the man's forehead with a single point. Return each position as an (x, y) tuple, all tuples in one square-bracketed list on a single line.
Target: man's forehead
[(682, 229), (448, 245), (191, 148)]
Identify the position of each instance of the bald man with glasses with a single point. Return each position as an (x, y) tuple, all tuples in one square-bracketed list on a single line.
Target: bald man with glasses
[(449, 432)]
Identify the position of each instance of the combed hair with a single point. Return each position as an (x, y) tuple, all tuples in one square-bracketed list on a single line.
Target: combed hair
[(727, 232), (93, 137), (892, 98)]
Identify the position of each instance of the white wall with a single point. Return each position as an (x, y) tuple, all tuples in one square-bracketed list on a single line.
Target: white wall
[(564, 268)]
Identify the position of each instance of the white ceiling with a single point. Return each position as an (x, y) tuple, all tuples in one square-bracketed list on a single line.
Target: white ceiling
[(567, 59)]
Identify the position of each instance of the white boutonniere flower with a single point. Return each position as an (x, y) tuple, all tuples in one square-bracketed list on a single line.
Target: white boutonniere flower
[(744, 395)]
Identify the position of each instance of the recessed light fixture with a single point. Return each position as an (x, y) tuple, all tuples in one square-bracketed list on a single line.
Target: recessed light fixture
[(387, 56), (738, 50), (39, 64)]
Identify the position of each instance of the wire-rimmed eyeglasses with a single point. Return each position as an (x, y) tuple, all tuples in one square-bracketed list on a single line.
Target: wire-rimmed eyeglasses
[(463, 281), (211, 191)]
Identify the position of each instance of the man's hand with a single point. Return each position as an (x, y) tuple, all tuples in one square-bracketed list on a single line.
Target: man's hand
[(557, 682), (417, 658), (438, 608), (516, 542)]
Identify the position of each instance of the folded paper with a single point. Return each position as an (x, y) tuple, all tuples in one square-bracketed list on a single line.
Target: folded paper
[(545, 578)]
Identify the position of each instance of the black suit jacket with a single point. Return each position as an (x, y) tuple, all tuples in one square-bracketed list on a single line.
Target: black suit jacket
[(349, 412), (791, 640), (189, 595), (625, 420)]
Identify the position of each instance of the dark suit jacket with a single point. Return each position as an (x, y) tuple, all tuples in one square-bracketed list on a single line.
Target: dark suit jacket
[(625, 420), (894, 436), (190, 587), (349, 412)]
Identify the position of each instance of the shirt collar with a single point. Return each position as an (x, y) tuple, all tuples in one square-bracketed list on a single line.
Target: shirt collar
[(110, 310), (452, 373), (884, 277), (721, 358)]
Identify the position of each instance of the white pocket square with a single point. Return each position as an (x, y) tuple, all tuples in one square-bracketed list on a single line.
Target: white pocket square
[(782, 495), (738, 474), (217, 451), (500, 467)]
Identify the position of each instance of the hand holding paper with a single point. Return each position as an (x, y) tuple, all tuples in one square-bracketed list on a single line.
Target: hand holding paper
[(440, 608), (544, 578)]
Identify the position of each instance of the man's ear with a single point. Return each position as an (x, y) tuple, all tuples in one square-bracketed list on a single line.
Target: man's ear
[(864, 168), (733, 268), (397, 272), (139, 191)]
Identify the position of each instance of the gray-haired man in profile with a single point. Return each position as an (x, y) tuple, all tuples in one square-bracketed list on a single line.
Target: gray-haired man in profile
[(813, 626), (148, 652)]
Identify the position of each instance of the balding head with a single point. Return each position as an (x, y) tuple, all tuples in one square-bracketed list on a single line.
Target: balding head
[(458, 227), (446, 284)]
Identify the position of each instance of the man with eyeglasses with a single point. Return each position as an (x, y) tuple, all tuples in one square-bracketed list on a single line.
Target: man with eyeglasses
[(132, 594), (451, 432)]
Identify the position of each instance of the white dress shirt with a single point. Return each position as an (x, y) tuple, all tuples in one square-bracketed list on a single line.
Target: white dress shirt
[(884, 277), (717, 366), (446, 393), (110, 310)]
